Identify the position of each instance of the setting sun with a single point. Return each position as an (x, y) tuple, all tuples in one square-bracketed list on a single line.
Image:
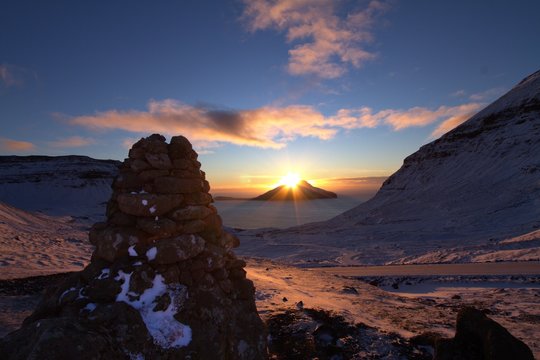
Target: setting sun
[(290, 180)]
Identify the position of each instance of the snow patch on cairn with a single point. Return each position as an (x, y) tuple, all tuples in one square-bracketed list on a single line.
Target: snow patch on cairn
[(163, 281)]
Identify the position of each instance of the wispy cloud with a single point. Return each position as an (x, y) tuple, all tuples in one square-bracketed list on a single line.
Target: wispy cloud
[(459, 93), (265, 127), (15, 76), (7, 76), (323, 42), (15, 145), (72, 142), (489, 94), (400, 119)]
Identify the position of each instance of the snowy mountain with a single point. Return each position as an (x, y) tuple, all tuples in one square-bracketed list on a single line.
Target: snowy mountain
[(476, 185), (64, 185)]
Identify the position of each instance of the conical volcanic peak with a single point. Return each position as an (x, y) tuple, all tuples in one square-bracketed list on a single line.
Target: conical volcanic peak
[(162, 283), (301, 191)]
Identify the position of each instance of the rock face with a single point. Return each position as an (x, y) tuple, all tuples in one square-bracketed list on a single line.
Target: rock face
[(302, 191), (163, 282)]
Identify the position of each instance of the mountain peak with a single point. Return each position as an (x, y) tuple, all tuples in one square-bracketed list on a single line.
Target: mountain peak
[(302, 191)]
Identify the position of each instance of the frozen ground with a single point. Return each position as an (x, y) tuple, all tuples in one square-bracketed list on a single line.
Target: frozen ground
[(390, 316), (36, 244)]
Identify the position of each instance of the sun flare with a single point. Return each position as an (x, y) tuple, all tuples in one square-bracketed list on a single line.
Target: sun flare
[(290, 180)]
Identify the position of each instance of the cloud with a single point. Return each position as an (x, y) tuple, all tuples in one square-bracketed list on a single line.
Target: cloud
[(459, 117), (489, 94), (323, 43), (71, 142), (459, 93), (266, 127), (400, 119), (7, 76), (15, 145), (15, 76)]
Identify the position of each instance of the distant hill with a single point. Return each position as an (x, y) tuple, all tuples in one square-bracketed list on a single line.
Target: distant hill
[(302, 191), (57, 185)]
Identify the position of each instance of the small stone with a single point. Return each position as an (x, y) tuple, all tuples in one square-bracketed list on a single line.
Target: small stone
[(173, 185), (175, 249), (191, 212), (161, 227), (194, 226), (148, 204), (159, 161), (198, 199), (150, 175), (181, 164), (139, 165)]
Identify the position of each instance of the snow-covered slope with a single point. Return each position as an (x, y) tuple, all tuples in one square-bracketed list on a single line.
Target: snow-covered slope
[(37, 244), (63, 185), (477, 184)]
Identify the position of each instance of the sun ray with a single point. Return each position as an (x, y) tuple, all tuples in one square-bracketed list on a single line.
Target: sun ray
[(290, 180)]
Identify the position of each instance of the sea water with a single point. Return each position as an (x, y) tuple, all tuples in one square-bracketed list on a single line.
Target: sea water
[(250, 214)]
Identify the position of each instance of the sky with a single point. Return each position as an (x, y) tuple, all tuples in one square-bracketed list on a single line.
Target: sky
[(337, 91)]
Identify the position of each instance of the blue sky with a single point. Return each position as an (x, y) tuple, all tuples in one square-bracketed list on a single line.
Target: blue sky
[(328, 89)]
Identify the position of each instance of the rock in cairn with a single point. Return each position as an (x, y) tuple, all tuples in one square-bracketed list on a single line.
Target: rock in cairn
[(162, 283)]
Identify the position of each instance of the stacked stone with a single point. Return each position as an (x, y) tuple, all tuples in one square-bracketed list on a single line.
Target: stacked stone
[(162, 254)]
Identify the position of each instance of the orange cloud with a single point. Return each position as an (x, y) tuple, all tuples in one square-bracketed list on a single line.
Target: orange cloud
[(15, 145), (325, 43), (267, 127), (70, 142), (454, 121), (401, 119)]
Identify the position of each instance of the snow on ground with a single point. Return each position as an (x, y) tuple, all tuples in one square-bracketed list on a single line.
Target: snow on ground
[(36, 244), (513, 306)]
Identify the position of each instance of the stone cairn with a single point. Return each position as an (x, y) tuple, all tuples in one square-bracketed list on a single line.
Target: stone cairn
[(162, 282)]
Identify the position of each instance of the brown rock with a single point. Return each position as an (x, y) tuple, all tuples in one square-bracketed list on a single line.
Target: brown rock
[(150, 175), (198, 199), (121, 219), (181, 164), (180, 147), (136, 153), (139, 165), (161, 227), (194, 226), (173, 185), (113, 242), (148, 204), (159, 161), (228, 240), (214, 223), (186, 174), (191, 212), (175, 249), (128, 181)]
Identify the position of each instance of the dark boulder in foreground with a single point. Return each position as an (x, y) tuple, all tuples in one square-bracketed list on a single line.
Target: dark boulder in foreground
[(302, 191), (163, 282), (477, 337)]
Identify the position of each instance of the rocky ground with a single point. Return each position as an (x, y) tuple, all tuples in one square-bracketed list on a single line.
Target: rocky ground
[(325, 315)]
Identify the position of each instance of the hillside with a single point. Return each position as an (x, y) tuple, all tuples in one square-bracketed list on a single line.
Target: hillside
[(61, 185)]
